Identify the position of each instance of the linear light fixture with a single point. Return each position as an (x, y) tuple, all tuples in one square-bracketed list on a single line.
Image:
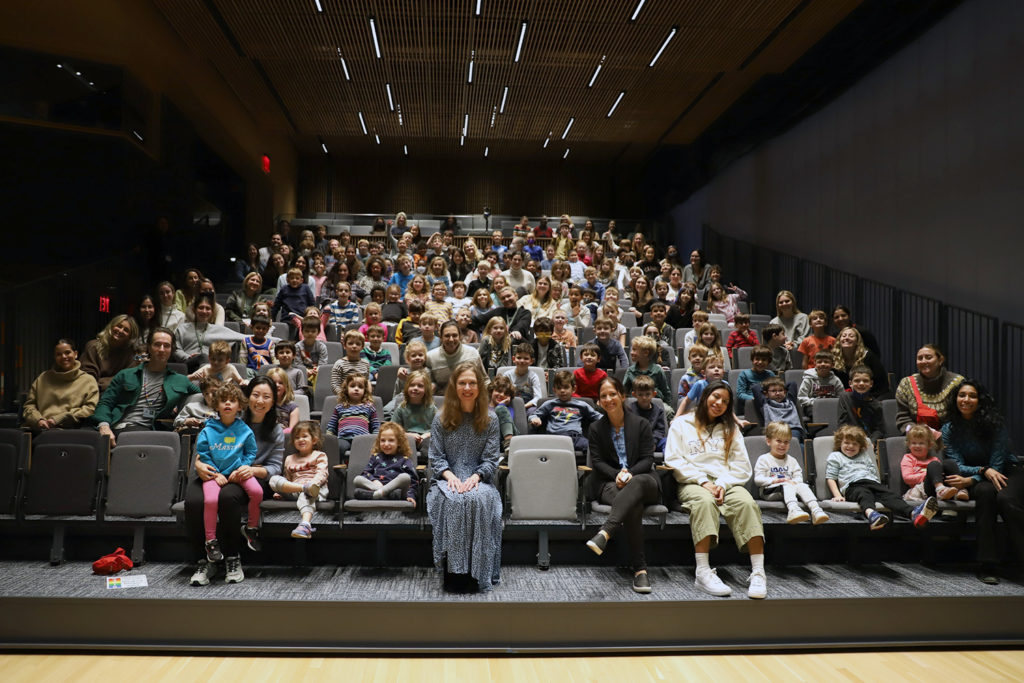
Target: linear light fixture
[(596, 72), (639, 6), (494, 115), (504, 98), (362, 122), (376, 43), (478, 8), (671, 35), (566, 153), (462, 141), (568, 126), (399, 108), (547, 140), (617, 100), (405, 150), (522, 37), (377, 137), (344, 66), (323, 146), (486, 150), (319, 7), (465, 125), (391, 102), (472, 58)]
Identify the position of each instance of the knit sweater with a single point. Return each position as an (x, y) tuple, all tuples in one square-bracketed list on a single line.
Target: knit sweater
[(352, 420), (442, 364), (845, 470), (67, 398), (697, 456), (416, 419), (935, 393), (311, 469), (104, 369)]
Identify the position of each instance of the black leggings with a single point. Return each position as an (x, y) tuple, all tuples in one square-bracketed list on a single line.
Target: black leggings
[(1008, 504), (232, 503), (937, 472), (628, 512), (866, 493)]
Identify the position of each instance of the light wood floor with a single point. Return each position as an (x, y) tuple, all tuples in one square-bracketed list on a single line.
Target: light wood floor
[(870, 667)]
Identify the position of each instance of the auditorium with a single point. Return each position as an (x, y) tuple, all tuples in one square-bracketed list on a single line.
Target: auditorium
[(503, 320)]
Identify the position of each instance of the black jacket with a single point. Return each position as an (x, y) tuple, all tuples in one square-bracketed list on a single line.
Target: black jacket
[(639, 450)]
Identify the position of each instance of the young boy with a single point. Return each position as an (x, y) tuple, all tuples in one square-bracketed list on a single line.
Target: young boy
[(780, 477), (698, 318), (259, 348), (409, 328), (285, 354), (818, 340), (858, 407), (760, 358), (698, 356), (344, 312), (438, 305), (502, 390), (666, 333), (611, 351), (292, 300), (561, 333), (852, 474), (194, 414), (480, 280), (403, 274), (527, 384), (739, 337), (428, 331), (311, 352), (352, 362), (374, 352), (549, 353), (549, 257), (714, 369), (590, 283), (459, 298), (576, 313), (775, 340), (775, 404), (394, 309), (566, 415), (644, 353), (220, 366), (643, 405), (589, 377), (819, 382)]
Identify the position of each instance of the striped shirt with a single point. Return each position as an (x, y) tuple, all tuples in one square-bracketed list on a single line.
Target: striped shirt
[(346, 315), (353, 420)]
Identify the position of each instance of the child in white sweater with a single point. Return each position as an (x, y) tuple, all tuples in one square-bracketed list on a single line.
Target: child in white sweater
[(780, 477)]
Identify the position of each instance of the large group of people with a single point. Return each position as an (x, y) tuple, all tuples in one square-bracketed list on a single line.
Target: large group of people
[(475, 321)]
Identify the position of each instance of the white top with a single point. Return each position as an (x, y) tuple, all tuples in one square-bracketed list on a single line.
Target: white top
[(697, 456), (769, 468)]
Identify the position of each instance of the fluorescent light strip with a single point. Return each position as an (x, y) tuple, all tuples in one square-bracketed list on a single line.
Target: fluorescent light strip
[(596, 72), (324, 148), (568, 126), (504, 97), (362, 123), (405, 149), (465, 125), (344, 66), (470, 79), (671, 35), (378, 138), (486, 150), (319, 7), (547, 140), (462, 141), (373, 30), (391, 102), (617, 100), (478, 8), (494, 115), (566, 153), (522, 36), (639, 7)]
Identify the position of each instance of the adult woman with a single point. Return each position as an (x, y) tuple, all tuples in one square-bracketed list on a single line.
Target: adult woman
[(675, 281), (696, 272), (146, 319), (725, 304), (184, 296), (710, 463), (472, 253), (977, 440), (111, 351), (540, 303), (168, 314), (260, 415), (641, 296), (240, 303), (622, 451), (63, 396), (842, 318), (924, 397), (193, 339), (672, 256), (206, 288), (251, 262), (464, 508), (459, 268), (276, 267), (681, 313), (793, 321), (848, 352), (374, 275)]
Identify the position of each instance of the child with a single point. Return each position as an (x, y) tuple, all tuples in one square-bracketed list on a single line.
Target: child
[(305, 475), (698, 318), (459, 298), (589, 377), (321, 317), (285, 354), (375, 353), (403, 273), (496, 347), (193, 415), (664, 350), (428, 330), (438, 273), (527, 384), (311, 351), (351, 362), (818, 340), (344, 312), (417, 411), (859, 407), (760, 358), (852, 474), (576, 313), (225, 444), (644, 352), (549, 353), (355, 413), (417, 290), (739, 337), (612, 355), (775, 340), (566, 415), (287, 411), (259, 348), (709, 336), (698, 356), (643, 405), (394, 309), (914, 467), (409, 328), (780, 477), (819, 382), (501, 392), (261, 308), (613, 313), (438, 306), (292, 300), (467, 335), (378, 295), (562, 334), (775, 404), (390, 474), (415, 359), (666, 333), (714, 369), (220, 366), (371, 318), (591, 283)]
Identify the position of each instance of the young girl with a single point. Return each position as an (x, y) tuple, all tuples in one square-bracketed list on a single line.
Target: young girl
[(417, 411), (726, 304), (466, 334), (287, 411), (562, 334), (613, 313), (371, 318), (390, 474), (481, 302), (322, 316), (415, 359), (664, 350), (305, 475), (417, 289), (438, 272), (914, 467), (168, 315), (496, 348), (319, 274), (709, 336), (498, 283), (793, 321), (641, 296), (355, 413)]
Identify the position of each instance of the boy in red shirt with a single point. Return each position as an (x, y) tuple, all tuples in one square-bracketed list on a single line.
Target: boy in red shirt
[(741, 336), (589, 377)]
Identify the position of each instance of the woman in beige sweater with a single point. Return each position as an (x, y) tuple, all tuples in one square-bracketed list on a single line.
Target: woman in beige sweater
[(62, 396)]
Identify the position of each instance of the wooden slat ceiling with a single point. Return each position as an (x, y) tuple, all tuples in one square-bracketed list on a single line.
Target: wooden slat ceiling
[(282, 58)]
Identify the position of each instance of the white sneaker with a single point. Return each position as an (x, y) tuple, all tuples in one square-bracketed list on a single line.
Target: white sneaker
[(204, 572), (819, 516), (234, 572), (796, 516), (709, 582), (758, 586)]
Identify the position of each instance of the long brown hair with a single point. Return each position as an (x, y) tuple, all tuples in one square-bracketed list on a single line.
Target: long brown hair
[(451, 413), (704, 420)]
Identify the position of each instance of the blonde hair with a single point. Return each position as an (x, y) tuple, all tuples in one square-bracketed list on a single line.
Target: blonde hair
[(354, 335), (415, 344), (428, 391), (400, 436), (921, 432), (220, 348), (451, 412), (647, 344), (279, 375), (779, 430), (859, 351), (103, 338), (851, 433), (505, 343), (791, 295)]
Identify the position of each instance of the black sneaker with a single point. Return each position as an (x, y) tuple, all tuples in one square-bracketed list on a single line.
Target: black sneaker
[(213, 553), (397, 494), (362, 494), (641, 582), (987, 574), (252, 538), (598, 543)]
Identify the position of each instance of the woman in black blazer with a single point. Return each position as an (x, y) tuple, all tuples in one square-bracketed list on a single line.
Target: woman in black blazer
[(622, 453)]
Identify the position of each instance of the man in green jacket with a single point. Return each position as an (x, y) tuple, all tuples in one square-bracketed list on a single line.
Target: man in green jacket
[(138, 397)]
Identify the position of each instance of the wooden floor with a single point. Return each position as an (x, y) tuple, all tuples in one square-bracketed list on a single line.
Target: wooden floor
[(1001, 665)]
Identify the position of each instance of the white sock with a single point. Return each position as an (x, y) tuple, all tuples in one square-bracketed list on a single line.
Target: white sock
[(702, 562), (757, 563)]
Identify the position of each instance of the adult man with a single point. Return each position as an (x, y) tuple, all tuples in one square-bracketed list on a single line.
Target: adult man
[(139, 397), (445, 358), (518, 319), (275, 246)]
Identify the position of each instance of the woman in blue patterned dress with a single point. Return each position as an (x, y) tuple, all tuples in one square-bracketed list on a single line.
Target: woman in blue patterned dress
[(464, 507)]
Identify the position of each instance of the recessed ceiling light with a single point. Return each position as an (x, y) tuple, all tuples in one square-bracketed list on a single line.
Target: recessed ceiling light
[(494, 115), (504, 97), (362, 123), (547, 140), (136, 134), (617, 100), (391, 102), (671, 35), (60, 66), (373, 30), (566, 153), (568, 126), (462, 141), (319, 7), (399, 108), (596, 71), (522, 37), (639, 6)]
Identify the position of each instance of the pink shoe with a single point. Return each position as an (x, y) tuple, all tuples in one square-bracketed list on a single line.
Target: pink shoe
[(963, 494), (943, 492)]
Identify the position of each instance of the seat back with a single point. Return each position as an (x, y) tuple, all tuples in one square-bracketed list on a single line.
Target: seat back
[(335, 351), (889, 409), (14, 449), (302, 403), (826, 410), (794, 375), (359, 456), (758, 446), (673, 386), (519, 416), (327, 409), (392, 348), (542, 481), (280, 331), (891, 451), (143, 480), (741, 357), (62, 480), (822, 448), (385, 387), (322, 390)]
